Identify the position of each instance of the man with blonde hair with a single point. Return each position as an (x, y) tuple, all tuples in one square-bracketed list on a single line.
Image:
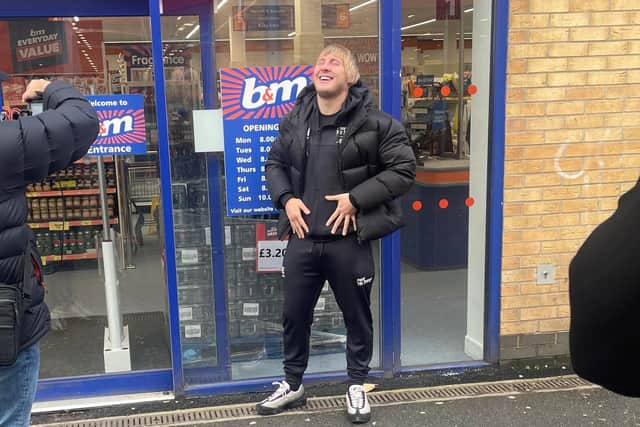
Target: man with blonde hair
[(336, 171)]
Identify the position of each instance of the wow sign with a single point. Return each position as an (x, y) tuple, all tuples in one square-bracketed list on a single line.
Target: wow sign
[(122, 127)]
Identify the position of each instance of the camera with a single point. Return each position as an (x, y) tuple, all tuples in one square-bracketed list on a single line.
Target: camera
[(36, 106)]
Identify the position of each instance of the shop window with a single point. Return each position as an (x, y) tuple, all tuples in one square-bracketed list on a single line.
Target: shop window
[(278, 35), (65, 210)]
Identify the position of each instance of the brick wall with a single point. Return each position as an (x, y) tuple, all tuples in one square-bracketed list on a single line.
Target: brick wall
[(572, 145)]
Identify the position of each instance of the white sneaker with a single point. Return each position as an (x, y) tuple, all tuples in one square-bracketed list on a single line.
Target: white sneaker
[(281, 399), (358, 409)]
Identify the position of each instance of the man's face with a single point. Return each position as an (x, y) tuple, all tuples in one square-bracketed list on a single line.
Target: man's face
[(330, 77)]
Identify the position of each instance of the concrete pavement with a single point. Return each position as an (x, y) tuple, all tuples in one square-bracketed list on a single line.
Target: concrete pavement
[(586, 407)]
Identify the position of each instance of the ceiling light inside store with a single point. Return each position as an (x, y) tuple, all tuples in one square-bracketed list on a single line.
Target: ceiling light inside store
[(222, 3), (291, 34), (179, 18), (196, 28), (429, 21), (411, 16), (423, 34), (188, 24), (76, 19), (468, 10), (356, 7)]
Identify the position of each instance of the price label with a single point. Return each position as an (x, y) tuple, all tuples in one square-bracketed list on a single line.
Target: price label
[(186, 313), (251, 309), (248, 254), (189, 256), (71, 183), (271, 254), (193, 331), (58, 226), (227, 235), (86, 222)]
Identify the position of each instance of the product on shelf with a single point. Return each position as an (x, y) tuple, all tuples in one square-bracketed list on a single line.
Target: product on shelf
[(65, 211)]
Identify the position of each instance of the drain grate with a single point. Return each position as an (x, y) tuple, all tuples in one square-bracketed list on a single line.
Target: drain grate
[(381, 398)]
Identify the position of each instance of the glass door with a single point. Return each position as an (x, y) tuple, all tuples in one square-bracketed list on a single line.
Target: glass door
[(445, 62)]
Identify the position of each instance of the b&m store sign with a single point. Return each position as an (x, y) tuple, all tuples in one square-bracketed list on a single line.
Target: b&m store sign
[(122, 128), (254, 100)]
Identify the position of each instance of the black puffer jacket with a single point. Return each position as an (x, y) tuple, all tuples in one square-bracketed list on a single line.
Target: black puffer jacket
[(376, 163), (30, 149), (604, 292)]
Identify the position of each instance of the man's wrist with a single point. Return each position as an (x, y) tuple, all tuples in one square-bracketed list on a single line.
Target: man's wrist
[(285, 198), (354, 202)]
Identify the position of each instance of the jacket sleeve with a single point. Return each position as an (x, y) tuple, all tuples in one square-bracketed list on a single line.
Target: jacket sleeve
[(604, 292), (398, 169), (51, 140), (277, 172)]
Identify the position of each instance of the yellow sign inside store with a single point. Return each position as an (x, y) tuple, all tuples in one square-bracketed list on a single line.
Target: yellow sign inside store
[(58, 226), (70, 183)]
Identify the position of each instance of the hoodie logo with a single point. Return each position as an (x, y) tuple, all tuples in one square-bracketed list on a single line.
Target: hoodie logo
[(340, 134), (262, 92), (361, 281)]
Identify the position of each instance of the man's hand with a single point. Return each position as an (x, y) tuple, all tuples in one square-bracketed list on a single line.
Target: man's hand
[(344, 214), (34, 89), (295, 208)]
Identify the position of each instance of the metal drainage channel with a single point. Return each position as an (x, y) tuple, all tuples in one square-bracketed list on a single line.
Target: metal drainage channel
[(322, 404)]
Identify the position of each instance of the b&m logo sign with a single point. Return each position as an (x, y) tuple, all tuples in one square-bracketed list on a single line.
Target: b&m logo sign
[(262, 92), (122, 127), (254, 100)]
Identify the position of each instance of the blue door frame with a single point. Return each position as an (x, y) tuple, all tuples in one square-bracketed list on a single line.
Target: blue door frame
[(390, 54)]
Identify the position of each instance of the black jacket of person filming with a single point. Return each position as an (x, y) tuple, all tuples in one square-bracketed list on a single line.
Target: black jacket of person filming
[(376, 163), (31, 148), (604, 289)]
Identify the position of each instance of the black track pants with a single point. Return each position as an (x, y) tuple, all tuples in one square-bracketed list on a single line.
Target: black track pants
[(349, 268)]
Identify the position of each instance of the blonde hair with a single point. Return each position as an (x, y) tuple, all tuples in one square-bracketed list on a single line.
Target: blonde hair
[(347, 58)]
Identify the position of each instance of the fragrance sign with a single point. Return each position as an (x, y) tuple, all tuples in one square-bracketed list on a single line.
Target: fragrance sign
[(254, 100)]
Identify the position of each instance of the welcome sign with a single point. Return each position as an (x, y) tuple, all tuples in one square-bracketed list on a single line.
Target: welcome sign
[(122, 127), (37, 44)]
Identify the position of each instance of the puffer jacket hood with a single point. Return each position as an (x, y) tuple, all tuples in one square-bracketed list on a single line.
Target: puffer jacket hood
[(359, 101)]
